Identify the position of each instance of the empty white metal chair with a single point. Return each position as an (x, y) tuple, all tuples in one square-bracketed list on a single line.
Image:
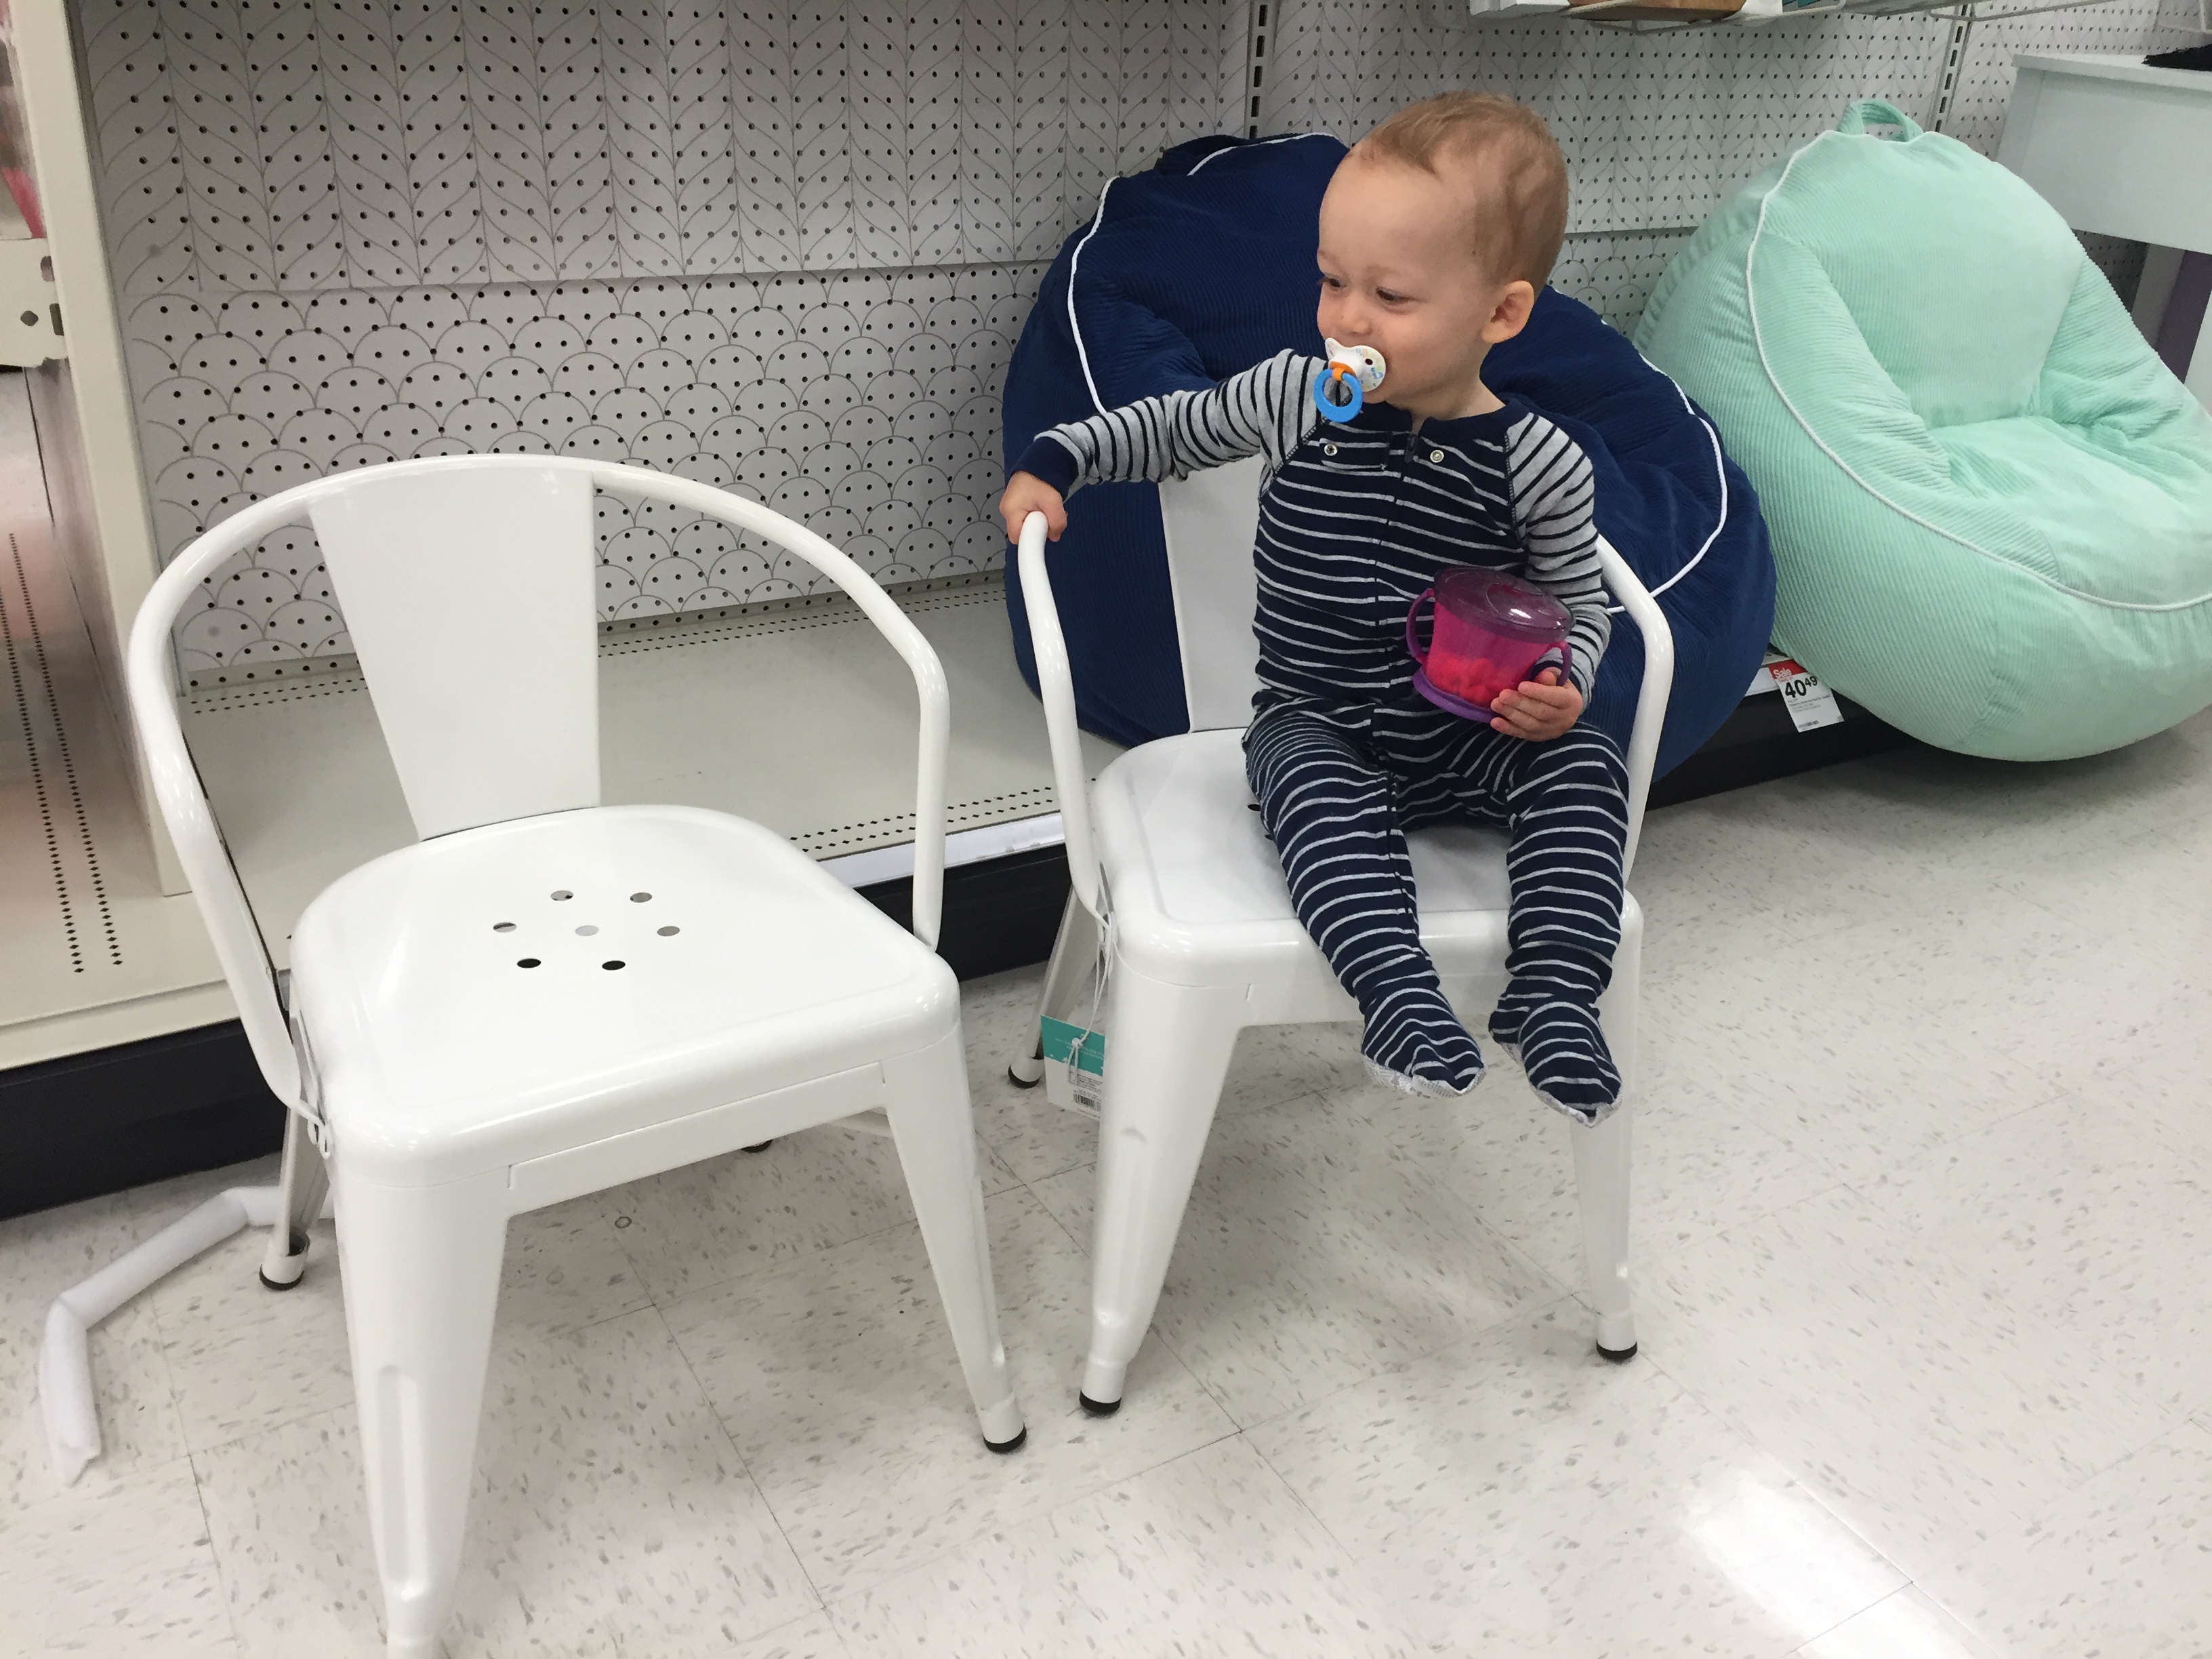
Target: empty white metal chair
[(544, 997), (1167, 860)]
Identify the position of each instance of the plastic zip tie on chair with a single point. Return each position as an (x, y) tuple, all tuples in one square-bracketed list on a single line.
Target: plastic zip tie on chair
[(65, 1394)]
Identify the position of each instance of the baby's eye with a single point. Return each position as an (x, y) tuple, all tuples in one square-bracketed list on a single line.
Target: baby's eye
[(1388, 297)]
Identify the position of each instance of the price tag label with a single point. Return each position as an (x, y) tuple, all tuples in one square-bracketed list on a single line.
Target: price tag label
[(1809, 702), (1074, 1067)]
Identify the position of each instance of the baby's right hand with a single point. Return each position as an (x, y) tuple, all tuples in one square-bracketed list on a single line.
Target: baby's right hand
[(1026, 493)]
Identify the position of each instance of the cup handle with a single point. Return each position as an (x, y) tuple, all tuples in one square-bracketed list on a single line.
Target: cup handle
[(1566, 657), (1412, 640)]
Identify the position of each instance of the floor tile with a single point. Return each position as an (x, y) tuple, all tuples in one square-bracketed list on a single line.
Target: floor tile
[(1272, 1064), (839, 1386), (2119, 1568), (1697, 1167), (1515, 1494), (40, 1256), (123, 1568), (1030, 1135), (1747, 866), (2069, 997), (611, 1515), (565, 1268), (243, 1357), (998, 1014), (1843, 1048), (857, 1331), (1958, 816), (1907, 1626), (1208, 1554), (1928, 1413), (2088, 1212), (2143, 917), (729, 1216), (1275, 1064), (811, 1637), (1311, 1257)]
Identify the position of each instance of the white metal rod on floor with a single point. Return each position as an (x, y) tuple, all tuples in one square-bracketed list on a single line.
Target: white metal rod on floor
[(65, 1395)]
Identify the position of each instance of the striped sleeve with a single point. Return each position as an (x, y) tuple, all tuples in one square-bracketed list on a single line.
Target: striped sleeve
[(1554, 500), (1266, 410)]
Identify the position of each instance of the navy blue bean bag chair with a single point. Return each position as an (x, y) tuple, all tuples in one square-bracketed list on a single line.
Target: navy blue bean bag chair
[(1204, 266)]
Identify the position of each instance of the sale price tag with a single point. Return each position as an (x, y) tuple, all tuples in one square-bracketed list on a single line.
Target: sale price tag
[(1809, 702)]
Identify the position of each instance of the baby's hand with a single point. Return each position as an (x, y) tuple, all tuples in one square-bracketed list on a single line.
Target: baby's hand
[(1026, 493), (1543, 708)]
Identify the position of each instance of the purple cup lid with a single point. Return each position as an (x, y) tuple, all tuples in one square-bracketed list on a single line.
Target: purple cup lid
[(1501, 603)]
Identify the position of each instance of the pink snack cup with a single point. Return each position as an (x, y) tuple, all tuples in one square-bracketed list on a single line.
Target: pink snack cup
[(1491, 632)]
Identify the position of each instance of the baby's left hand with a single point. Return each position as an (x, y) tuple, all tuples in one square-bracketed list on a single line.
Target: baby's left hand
[(1543, 708)]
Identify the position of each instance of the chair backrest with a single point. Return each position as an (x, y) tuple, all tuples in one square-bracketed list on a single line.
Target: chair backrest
[(468, 584), (1209, 521), (469, 589)]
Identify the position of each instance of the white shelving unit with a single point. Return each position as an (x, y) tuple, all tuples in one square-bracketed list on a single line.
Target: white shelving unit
[(786, 248), (1646, 16)]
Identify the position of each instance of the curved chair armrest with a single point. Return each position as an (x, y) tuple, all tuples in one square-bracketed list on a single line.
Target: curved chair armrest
[(148, 676), (1056, 686), (891, 622), (1651, 700)]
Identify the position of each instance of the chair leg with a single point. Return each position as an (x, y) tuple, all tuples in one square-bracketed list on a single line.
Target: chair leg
[(1074, 950), (302, 1183), (421, 1268), (1167, 1055), (1601, 1182), (1601, 1158), (934, 1127)]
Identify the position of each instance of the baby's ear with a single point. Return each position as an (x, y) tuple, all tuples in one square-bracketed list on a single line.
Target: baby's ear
[(1510, 314)]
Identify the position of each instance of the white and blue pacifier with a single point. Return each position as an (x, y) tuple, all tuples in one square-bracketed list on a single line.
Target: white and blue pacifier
[(1352, 372)]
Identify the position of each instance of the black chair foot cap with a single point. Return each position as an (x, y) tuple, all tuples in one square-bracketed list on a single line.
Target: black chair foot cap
[(1099, 1407), (1002, 1447), (269, 1283), (1021, 1082), (763, 1147), (1618, 1356)]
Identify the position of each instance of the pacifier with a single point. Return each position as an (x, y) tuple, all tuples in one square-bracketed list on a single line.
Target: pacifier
[(1352, 372)]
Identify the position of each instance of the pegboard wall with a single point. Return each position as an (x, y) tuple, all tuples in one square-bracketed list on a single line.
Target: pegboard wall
[(783, 247)]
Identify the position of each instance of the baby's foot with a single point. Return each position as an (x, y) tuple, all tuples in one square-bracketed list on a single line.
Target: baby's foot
[(1563, 1051), (1505, 1019), (1413, 1042)]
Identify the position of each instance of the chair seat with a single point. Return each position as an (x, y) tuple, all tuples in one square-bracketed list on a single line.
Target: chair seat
[(1198, 889), (516, 990)]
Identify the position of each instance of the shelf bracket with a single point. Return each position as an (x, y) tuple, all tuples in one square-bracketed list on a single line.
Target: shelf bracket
[(30, 314)]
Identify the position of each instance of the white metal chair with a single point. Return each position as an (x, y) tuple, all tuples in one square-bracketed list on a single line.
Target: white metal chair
[(544, 997), (1166, 859)]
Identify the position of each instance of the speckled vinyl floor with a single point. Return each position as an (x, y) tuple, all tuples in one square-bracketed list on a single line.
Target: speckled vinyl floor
[(1923, 1167)]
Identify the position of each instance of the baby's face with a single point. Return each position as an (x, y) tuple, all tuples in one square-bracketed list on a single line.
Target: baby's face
[(1399, 272)]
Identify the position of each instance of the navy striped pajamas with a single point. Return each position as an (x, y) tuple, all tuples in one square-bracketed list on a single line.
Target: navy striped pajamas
[(1345, 756)]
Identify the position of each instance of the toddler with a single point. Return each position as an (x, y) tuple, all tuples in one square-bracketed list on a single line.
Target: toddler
[(1436, 232)]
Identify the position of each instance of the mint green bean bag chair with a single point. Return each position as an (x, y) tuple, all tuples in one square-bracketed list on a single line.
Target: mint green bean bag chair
[(1991, 504)]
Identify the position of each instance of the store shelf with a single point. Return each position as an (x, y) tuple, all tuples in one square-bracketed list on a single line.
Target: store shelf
[(91, 952), (1651, 15)]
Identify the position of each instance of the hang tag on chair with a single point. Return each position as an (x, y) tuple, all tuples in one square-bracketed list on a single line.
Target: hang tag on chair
[(1074, 1066)]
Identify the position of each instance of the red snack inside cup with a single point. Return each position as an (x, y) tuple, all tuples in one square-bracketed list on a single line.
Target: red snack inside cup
[(1490, 633)]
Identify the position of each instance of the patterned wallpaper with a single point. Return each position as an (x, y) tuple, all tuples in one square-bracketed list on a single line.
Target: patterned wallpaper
[(787, 247)]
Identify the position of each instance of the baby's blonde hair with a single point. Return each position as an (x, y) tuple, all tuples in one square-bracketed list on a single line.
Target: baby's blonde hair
[(1507, 155)]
